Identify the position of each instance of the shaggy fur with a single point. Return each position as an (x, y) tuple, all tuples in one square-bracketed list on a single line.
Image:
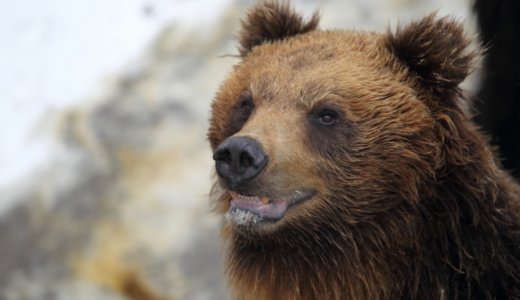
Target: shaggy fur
[(410, 202), (436, 53), (272, 22)]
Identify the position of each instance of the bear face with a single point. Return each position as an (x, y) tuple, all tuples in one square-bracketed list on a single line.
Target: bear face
[(347, 168), (338, 117)]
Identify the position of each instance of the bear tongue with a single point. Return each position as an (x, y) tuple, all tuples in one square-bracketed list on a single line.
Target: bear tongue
[(260, 206)]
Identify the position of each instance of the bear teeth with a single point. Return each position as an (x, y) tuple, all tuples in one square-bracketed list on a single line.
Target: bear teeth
[(263, 199)]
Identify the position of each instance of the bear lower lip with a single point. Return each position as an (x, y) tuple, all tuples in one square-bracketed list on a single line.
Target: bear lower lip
[(245, 210)]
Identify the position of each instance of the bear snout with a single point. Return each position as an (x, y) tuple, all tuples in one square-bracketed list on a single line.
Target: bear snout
[(238, 160)]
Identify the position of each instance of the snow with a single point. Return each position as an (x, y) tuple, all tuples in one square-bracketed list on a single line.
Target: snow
[(55, 53)]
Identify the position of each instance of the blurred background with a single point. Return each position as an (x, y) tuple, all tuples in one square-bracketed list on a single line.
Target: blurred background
[(104, 165)]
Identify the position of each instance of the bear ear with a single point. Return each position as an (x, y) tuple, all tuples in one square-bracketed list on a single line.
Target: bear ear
[(436, 52), (271, 21)]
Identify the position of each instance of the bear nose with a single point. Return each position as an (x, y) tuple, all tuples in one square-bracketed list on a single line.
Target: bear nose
[(239, 159)]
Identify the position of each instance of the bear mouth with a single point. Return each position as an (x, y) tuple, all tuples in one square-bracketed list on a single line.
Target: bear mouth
[(250, 210)]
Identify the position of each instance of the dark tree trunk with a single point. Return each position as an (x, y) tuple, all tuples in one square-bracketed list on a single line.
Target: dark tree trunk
[(498, 99)]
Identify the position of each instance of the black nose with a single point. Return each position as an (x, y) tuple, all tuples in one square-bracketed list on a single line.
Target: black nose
[(239, 159)]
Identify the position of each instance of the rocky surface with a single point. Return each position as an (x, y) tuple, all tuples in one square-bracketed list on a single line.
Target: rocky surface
[(121, 209)]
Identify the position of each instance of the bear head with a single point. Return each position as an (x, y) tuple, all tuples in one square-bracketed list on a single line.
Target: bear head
[(312, 124)]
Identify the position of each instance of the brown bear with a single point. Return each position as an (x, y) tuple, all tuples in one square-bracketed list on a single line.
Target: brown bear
[(348, 168)]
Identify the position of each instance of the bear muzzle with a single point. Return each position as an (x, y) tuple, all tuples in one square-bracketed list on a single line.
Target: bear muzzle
[(255, 198)]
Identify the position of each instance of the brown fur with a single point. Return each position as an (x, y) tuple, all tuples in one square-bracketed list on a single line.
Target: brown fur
[(436, 53), (271, 22), (410, 202)]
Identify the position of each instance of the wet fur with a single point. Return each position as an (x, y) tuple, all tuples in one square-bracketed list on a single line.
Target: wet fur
[(271, 22), (415, 206)]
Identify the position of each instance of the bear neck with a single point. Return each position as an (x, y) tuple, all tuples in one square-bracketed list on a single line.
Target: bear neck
[(319, 262)]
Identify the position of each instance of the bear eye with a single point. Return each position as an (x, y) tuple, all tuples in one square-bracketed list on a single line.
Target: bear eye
[(327, 116), (246, 104), (245, 107), (241, 113)]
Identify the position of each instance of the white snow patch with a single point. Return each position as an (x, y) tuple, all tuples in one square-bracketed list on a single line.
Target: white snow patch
[(55, 53), (242, 217)]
